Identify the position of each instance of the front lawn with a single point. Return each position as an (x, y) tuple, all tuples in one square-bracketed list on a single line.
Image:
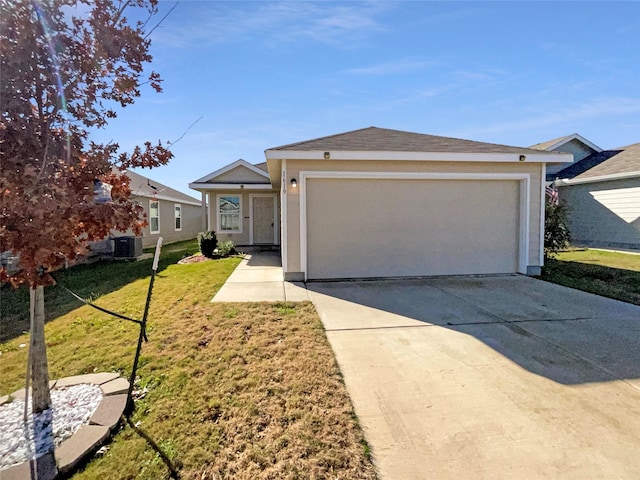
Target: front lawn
[(610, 274), (242, 391)]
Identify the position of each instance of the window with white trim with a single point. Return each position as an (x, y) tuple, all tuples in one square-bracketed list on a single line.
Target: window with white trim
[(177, 211), (229, 213), (154, 216)]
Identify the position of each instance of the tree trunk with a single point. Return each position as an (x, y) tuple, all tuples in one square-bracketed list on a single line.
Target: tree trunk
[(41, 397)]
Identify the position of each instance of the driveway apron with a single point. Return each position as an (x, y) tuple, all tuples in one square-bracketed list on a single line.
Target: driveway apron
[(488, 377)]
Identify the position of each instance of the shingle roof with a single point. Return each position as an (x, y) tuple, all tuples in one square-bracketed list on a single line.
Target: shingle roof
[(627, 160), (583, 165), (261, 166), (386, 140), (140, 188), (547, 144)]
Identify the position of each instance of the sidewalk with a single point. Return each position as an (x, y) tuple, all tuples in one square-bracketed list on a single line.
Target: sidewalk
[(259, 278)]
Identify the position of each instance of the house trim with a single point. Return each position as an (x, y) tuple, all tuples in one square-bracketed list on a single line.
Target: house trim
[(230, 186), (276, 240), (524, 208), (543, 193), (601, 178), (231, 166), (283, 218), (574, 136), (545, 157)]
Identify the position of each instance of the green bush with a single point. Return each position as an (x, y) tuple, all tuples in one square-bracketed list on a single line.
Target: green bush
[(556, 232), (207, 242), (226, 248)]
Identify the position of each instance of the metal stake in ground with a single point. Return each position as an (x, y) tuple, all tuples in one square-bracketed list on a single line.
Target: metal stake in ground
[(143, 329)]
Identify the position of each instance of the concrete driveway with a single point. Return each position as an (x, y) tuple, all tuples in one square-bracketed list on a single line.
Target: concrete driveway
[(490, 377)]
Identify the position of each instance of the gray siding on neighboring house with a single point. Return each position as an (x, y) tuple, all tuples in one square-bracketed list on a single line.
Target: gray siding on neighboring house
[(191, 223), (604, 214)]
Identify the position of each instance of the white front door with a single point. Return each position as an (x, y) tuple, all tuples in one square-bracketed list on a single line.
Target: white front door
[(263, 220)]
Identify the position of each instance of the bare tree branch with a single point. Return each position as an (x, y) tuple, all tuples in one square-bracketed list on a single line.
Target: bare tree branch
[(161, 20), (185, 132)]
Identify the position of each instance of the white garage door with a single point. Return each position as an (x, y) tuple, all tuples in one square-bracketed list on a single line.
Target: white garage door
[(359, 228)]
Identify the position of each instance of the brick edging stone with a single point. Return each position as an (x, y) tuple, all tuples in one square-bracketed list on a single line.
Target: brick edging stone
[(86, 439)]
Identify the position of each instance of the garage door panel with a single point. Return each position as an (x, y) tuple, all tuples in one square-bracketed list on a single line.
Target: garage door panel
[(358, 228)]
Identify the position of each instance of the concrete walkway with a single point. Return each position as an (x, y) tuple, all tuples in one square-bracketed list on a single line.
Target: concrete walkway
[(259, 278)]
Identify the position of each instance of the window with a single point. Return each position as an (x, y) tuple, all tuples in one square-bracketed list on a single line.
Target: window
[(154, 216), (177, 209), (229, 214)]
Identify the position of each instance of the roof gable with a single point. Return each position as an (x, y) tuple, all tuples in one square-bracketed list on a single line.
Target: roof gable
[(556, 143), (386, 140), (239, 171)]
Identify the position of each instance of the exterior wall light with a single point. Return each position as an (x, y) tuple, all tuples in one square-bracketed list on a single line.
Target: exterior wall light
[(327, 155), (294, 183), (523, 158)]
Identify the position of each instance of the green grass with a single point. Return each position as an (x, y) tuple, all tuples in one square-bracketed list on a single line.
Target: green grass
[(242, 391), (610, 274)]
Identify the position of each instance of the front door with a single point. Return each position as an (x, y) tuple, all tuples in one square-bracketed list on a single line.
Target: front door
[(263, 220)]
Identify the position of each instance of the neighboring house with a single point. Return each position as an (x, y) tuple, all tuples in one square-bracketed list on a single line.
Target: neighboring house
[(385, 203), (574, 144), (601, 189), (171, 214), (603, 196)]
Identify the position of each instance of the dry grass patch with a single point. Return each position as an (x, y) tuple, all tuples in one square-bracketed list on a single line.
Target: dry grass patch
[(234, 391)]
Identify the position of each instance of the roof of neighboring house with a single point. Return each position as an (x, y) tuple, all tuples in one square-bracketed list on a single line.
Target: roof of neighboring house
[(626, 160), (551, 145), (142, 186), (583, 165), (261, 166), (387, 140)]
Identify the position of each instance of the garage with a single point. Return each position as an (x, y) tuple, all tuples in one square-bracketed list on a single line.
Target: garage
[(369, 226), (377, 202)]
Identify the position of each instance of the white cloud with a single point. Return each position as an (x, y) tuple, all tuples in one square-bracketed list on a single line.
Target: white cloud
[(271, 23), (391, 68)]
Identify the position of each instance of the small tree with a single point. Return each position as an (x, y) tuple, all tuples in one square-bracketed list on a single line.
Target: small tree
[(65, 65), (556, 232)]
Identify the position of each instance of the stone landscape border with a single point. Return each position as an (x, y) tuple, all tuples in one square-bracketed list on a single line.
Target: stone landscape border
[(86, 439)]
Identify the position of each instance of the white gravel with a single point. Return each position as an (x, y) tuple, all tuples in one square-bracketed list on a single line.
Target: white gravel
[(71, 408)]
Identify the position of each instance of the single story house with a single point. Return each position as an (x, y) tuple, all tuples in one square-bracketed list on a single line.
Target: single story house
[(377, 202), (170, 214), (602, 193)]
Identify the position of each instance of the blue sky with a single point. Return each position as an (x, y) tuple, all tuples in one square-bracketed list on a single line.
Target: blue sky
[(264, 74)]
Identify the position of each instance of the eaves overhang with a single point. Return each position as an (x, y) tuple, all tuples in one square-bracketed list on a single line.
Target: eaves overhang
[(200, 187), (542, 157), (600, 178)]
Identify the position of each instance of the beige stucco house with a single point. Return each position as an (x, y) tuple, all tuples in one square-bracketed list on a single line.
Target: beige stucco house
[(386, 203)]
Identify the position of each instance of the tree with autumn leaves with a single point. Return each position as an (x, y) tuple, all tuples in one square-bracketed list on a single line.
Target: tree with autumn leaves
[(65, 67)]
